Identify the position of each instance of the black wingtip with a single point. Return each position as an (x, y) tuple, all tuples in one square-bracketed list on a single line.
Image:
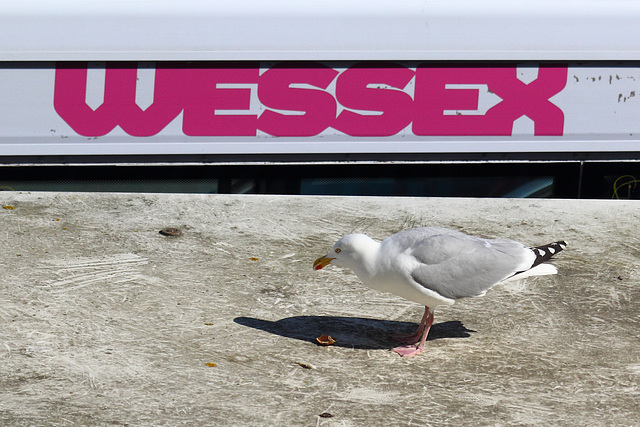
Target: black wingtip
[(545, 252)]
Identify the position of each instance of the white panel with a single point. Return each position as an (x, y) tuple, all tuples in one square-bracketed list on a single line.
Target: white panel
[(478, 109), (320, 30)]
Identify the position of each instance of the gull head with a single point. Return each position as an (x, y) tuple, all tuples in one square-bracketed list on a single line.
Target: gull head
[(352, 251)]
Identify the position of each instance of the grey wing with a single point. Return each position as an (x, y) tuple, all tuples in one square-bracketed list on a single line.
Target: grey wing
[(458, 266)]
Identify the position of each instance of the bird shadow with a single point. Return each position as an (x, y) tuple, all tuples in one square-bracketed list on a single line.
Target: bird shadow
[(351, 332)]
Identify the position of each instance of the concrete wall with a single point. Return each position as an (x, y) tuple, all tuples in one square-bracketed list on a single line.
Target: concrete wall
[(104, 321)]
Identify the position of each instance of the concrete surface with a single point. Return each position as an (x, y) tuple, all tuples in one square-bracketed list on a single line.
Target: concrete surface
[(104, 321)]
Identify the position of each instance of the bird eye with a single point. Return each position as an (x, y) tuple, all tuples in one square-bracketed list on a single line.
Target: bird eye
[(338, 250)]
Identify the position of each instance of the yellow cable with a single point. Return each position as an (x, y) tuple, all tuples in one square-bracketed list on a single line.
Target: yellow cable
[(628, 183)]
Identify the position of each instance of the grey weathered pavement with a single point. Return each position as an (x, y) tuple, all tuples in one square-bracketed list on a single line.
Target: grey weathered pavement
[(104, 321)]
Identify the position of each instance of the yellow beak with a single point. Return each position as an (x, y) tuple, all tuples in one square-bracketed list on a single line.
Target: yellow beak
[(321, 262)]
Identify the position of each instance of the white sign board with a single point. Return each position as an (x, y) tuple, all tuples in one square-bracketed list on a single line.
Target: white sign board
[(316, 107)]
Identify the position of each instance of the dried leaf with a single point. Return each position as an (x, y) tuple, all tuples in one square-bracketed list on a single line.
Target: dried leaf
[(170, 231), (8, 207), (325, 339), (211, 365), (305, 365)]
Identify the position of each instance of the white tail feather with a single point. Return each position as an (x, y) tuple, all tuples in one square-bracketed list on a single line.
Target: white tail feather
[(538, 270)]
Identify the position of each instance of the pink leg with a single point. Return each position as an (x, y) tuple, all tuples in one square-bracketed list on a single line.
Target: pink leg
[(411, 350), (415, 336)]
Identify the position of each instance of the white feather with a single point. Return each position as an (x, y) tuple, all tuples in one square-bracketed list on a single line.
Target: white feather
[(538, 270)]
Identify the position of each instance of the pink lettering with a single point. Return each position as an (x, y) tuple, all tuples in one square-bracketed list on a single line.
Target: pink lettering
[(275, 92), (518, 99), (119, 107), (296, 100), (353, 91), (532, 100), (204, 97)]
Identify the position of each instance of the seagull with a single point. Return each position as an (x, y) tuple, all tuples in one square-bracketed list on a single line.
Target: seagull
[(436, 266)]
